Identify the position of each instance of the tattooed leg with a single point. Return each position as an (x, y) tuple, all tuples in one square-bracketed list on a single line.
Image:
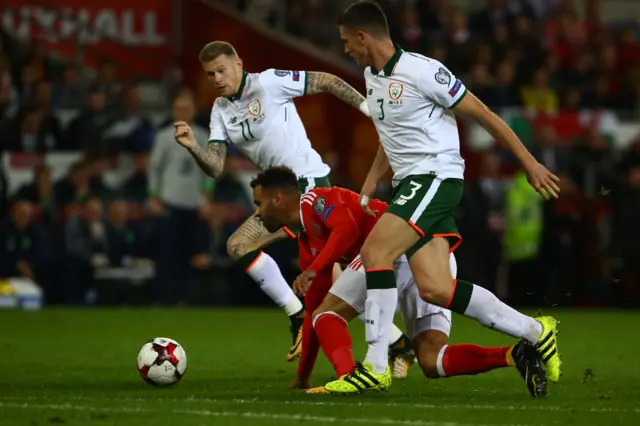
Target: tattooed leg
[(251, 236), (244, 246)]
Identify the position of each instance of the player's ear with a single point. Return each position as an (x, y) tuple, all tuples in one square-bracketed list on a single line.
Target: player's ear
[(239, 63), (362, 36)]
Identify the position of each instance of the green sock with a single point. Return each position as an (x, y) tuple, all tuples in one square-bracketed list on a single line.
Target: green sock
[(461, 297), (381, 279), (245, 261)]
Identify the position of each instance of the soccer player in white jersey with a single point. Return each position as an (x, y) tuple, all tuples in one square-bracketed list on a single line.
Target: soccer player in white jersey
[(413, 101), (256, 113)]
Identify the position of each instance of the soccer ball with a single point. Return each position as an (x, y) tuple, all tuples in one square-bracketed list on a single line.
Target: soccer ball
[(162, 362)]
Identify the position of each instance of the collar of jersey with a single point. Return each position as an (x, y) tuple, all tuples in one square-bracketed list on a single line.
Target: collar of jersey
[(388, 68), (242, 84)]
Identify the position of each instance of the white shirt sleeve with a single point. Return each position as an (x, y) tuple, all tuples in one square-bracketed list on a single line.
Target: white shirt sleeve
[(283, 85), (439, 85), (217, 131)]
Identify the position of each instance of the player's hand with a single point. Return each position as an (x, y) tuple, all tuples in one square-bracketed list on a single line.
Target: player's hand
[(303, 282), (25, 269), (205, 211), (365, 196), (364, 203), (156, 207), (542, 180), (184, 134)]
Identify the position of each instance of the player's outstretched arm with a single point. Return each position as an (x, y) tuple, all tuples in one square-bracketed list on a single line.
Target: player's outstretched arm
[(539, 177), (344, 232), (210, 160), (376, 172), (319, 82)]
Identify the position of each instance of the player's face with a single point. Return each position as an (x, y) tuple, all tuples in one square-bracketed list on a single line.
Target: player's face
[(225, 73), (355, 45), (269, 208)]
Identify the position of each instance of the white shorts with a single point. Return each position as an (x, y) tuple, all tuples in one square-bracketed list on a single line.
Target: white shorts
[(418, 315)]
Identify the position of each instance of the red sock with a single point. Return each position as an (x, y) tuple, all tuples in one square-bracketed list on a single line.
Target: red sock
[(310, 344), (310, 347), (461, 360), (335, 341)]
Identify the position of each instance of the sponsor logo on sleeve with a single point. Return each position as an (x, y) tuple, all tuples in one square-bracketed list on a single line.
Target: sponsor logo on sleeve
[(326, 212), (456, 87)]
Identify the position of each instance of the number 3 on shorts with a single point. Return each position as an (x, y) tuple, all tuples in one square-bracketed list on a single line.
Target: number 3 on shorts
[(402, 200)]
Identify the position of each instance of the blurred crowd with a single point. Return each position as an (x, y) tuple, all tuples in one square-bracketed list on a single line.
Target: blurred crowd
[(538, 54), (562, 83), (564, 80)]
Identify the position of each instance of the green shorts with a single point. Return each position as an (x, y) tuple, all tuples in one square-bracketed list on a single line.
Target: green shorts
[(428, 204), (306, 184)]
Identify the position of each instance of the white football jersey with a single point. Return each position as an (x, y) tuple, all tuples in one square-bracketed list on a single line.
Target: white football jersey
[(261, 120), (410, 101)]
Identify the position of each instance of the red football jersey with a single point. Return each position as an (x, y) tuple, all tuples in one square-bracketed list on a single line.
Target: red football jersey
[(335, 226)]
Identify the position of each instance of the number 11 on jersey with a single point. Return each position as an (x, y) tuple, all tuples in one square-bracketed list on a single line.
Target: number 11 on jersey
[(244, 135)]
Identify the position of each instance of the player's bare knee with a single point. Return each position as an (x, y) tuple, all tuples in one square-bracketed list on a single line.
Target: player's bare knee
[(319, 311), (374, 255), (428, 356), (432, 291), (434, 295), (429, 365), (434, 281)]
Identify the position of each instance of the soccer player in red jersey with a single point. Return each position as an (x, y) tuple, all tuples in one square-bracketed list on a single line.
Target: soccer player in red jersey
[(334, 228)]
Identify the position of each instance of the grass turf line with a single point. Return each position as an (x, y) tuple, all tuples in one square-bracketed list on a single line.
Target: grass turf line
[(78, 367)]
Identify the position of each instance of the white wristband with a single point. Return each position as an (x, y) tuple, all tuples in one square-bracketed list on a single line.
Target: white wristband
[(364, 108), (364, 201)]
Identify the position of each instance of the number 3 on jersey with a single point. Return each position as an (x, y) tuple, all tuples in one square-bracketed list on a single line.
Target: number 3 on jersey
[(247, 131), (402, 200), (381, 102)]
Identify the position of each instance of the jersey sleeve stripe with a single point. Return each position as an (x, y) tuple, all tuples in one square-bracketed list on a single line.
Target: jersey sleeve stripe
[(217, 141), (308, 198), (455, 104), (306, 82)]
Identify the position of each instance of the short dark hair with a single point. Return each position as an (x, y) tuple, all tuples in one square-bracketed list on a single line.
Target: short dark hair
[(279, 177), (216, 48), (365, 15)]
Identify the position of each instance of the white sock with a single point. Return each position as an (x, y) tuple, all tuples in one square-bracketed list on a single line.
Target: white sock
[(266, 273), (380, 309), (395, 334), (487, 309)]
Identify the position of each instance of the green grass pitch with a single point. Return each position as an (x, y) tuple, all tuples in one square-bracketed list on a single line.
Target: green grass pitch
[(78, 367)]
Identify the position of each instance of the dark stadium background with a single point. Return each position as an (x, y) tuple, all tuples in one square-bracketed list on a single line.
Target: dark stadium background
[(564, 74)]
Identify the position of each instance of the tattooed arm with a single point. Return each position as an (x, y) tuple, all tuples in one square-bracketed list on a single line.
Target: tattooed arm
[(211, 160), (318, 82)]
